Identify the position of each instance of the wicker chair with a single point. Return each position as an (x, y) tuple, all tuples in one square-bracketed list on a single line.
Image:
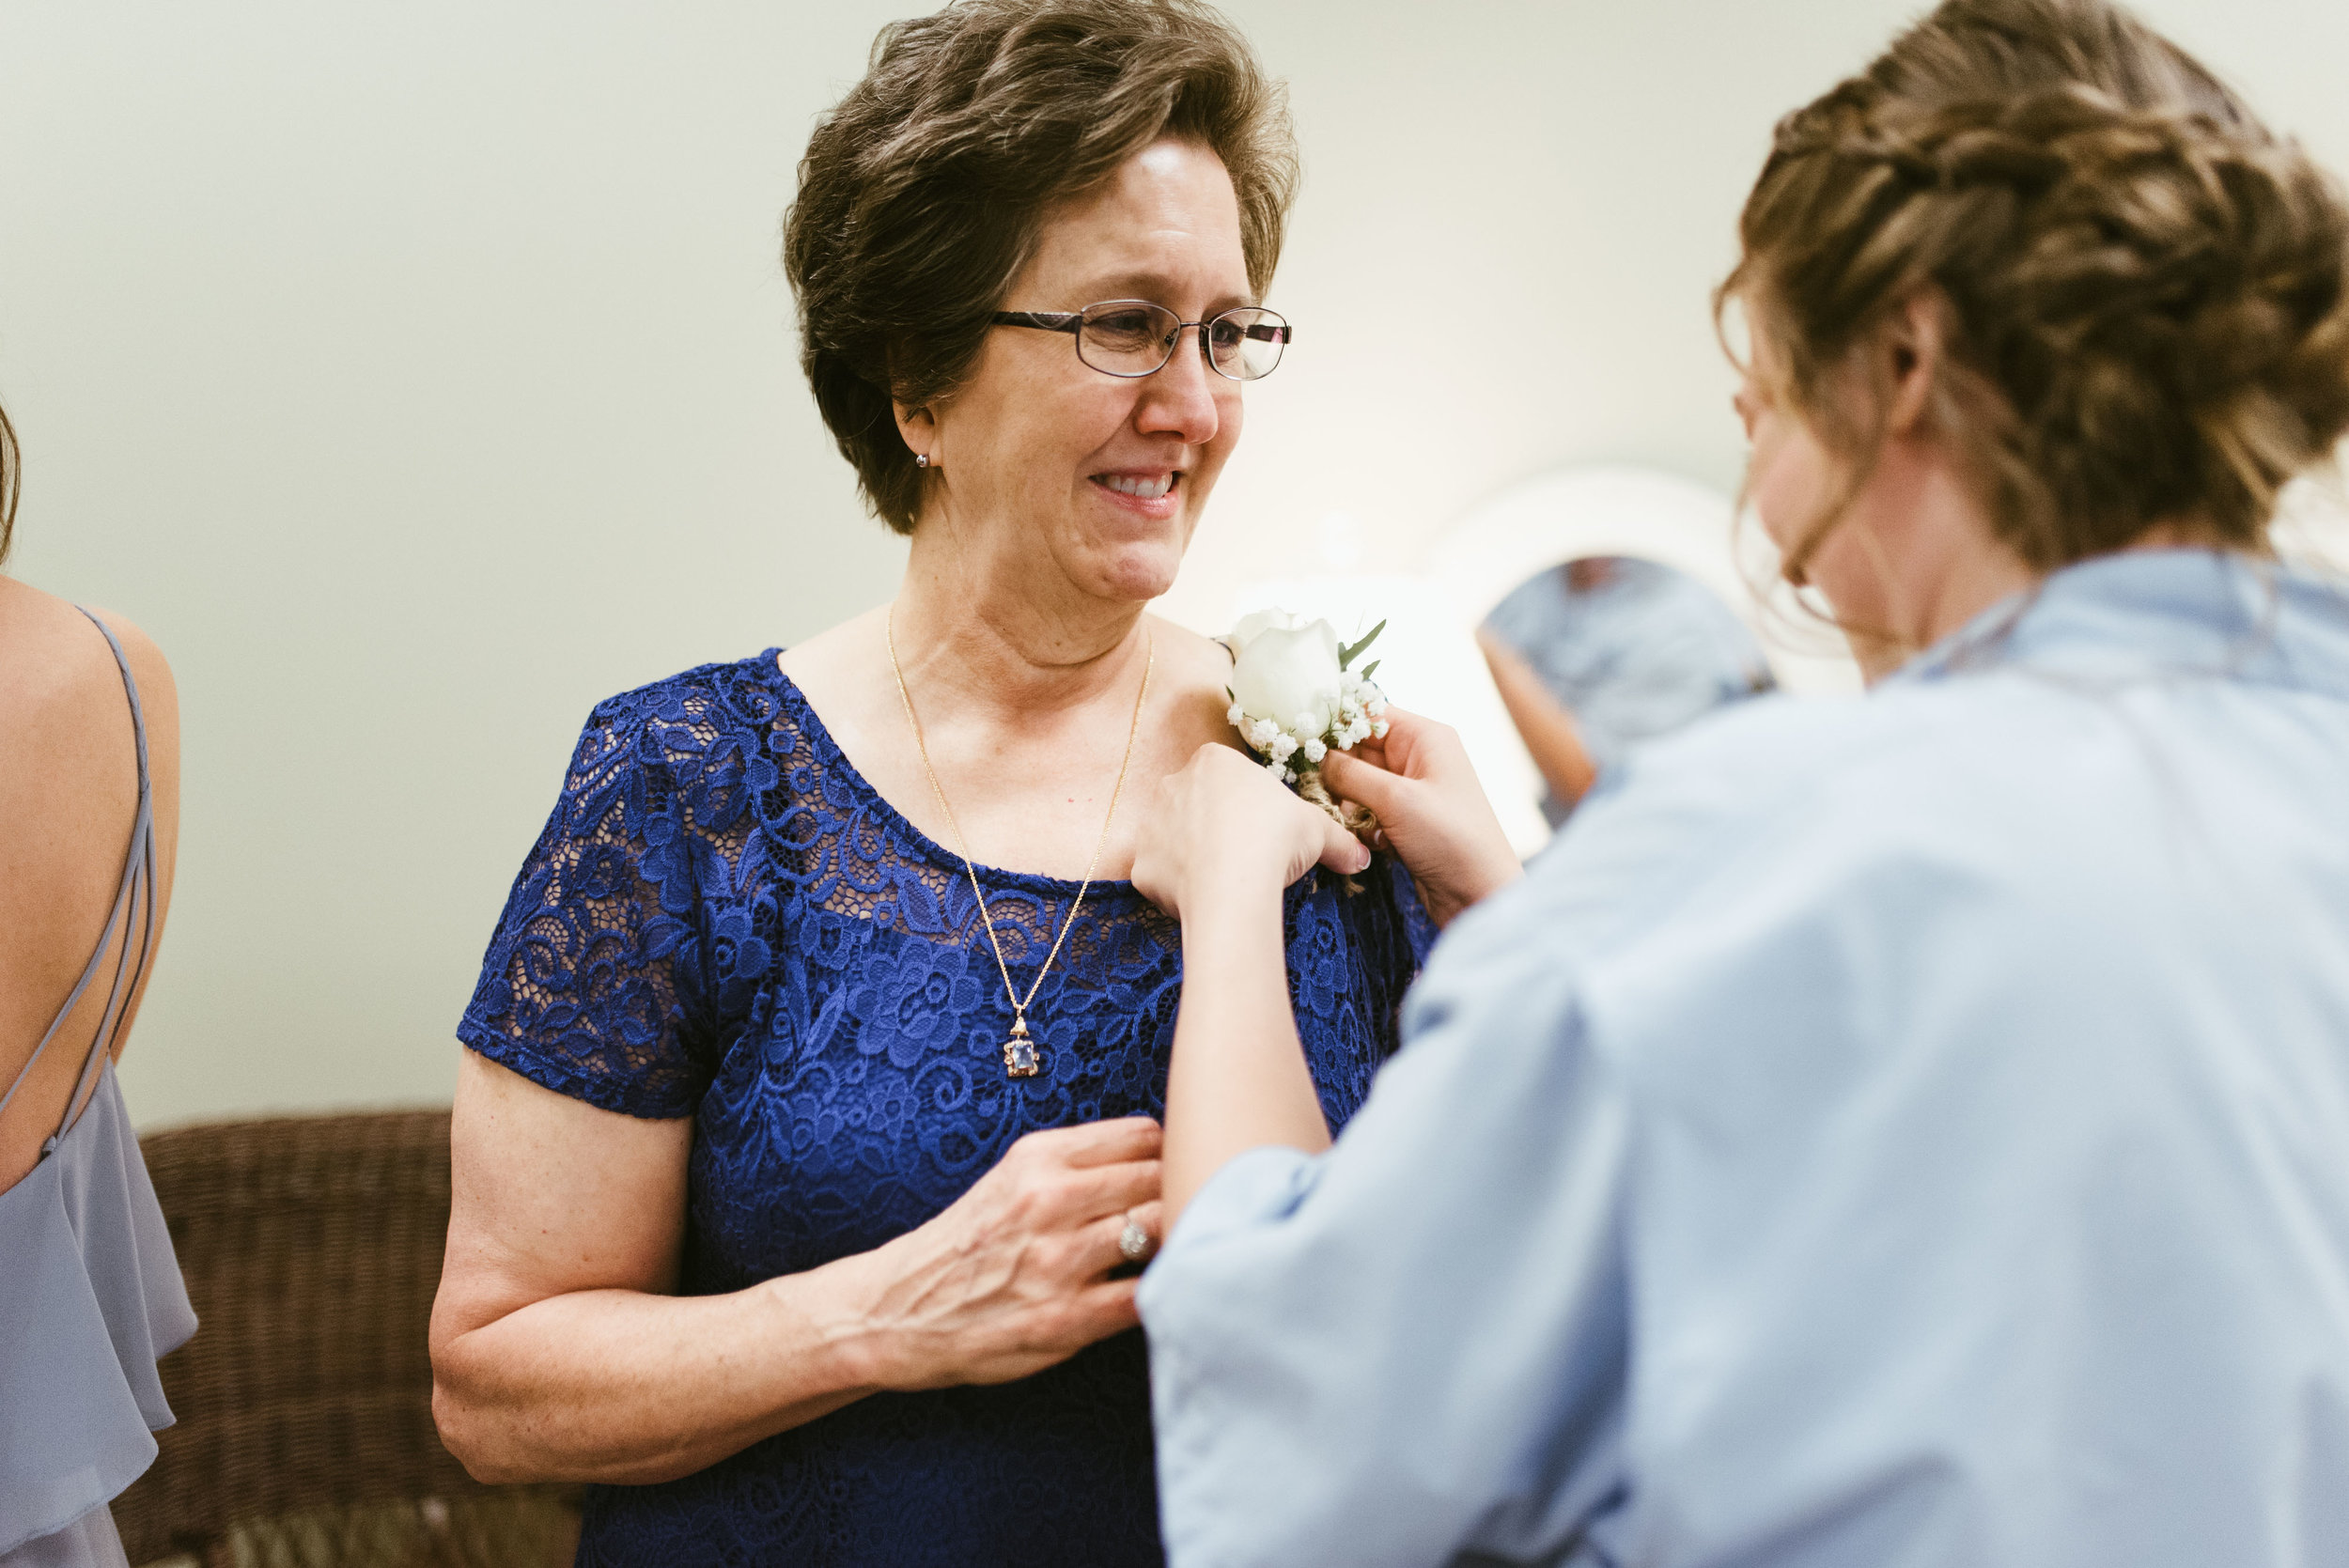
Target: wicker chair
[(312, 1248)]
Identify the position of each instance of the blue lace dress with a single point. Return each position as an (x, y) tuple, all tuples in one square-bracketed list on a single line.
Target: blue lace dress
[(723, 921)]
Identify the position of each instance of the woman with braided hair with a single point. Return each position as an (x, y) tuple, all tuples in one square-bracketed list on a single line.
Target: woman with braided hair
[(1910, 1130)]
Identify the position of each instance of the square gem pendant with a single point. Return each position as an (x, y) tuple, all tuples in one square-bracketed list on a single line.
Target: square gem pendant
[(1019, 1057)]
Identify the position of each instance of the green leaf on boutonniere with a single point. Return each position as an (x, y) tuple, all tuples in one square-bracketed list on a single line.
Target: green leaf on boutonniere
[(1346, 655), (1372, 668)]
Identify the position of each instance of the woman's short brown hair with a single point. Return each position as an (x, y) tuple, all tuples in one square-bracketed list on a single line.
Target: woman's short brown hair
[(2147, 292), (923, 192)]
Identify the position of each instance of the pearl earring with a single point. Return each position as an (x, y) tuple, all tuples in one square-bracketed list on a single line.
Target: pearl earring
[(920, 459)]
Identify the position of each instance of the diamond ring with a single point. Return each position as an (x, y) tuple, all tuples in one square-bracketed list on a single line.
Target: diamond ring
[(1133, 1242)]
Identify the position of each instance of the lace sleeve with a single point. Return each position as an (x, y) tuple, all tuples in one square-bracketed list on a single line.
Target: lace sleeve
[(1351, 957), (592, 986)]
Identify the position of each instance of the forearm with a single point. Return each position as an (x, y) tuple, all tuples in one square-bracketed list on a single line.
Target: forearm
[(1547, 729), (627, 1387), (1238, 1079)]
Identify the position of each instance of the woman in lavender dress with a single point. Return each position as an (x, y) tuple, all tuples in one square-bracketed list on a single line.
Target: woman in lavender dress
[(90, 1294)]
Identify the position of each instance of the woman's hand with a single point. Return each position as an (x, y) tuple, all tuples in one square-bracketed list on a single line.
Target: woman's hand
[(1223, 825), (1014, 1277), (1431, 810)]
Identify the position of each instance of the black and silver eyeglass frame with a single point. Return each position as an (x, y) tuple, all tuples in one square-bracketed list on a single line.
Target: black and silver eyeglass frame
[(1132, 339)]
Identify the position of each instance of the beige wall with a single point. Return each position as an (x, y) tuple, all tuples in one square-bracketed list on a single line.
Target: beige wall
[(419, 375)]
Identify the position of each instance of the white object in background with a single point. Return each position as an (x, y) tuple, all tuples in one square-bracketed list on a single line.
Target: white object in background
[(1656, 517), (1544, 522), (1338, 540), (2312, 523)]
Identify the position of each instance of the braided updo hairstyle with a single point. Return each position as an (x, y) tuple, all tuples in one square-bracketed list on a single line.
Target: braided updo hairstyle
[(2147, 291)]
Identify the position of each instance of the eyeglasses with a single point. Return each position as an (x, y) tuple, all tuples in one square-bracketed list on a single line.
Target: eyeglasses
[(1134, 337)]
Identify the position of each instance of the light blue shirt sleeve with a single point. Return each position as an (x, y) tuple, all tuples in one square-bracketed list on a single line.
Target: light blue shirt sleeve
[(1307, 1413)]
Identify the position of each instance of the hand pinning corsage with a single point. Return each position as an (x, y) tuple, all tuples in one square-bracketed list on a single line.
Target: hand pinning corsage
[(1296, 694)]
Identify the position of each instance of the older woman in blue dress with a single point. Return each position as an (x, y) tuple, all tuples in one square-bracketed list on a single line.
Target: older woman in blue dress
[(806, 1132), (1908, 1130)]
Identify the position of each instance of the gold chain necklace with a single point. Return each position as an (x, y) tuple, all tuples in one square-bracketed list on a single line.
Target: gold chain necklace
[(1019, 1050)]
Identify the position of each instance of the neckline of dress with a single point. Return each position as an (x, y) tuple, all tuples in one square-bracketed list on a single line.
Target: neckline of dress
[(811, 725)]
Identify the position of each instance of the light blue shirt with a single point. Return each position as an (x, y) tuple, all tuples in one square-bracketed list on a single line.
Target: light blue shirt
[(1902, 1131)]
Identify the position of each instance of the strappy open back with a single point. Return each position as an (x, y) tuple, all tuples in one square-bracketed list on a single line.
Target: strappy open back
[(90, 1294), (136, 890)]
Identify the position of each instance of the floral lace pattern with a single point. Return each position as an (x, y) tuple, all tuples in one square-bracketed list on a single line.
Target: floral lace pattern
[(723, 921)]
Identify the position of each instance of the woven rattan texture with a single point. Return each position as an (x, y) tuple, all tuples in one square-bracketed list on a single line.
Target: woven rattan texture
[(312, 1248)]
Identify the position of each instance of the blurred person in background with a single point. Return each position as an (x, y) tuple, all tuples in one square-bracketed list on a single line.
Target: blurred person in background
[(1897, 1131), (90, 1294), (1604, 652), (805, 1136)]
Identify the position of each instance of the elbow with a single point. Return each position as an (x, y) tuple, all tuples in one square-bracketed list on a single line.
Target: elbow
[(470, 1432), (494, 1441)]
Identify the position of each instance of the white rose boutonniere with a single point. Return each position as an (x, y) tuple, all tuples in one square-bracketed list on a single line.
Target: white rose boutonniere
[(1294, 694)]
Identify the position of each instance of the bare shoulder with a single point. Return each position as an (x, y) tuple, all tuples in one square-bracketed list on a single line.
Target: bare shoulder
[(1179, 648), (825, 658), (159, 691), (159, 711), (157, 687), (64, 691), (843, 673), (1195, 674)]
